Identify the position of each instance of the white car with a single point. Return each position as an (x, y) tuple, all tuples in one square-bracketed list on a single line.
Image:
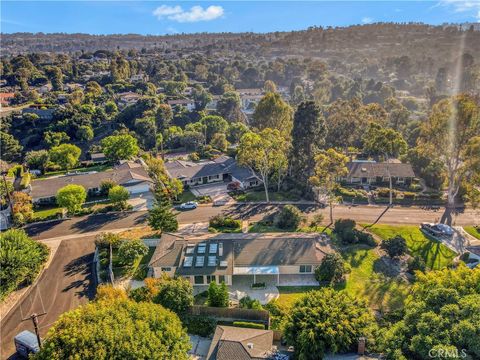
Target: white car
[(189, 205)]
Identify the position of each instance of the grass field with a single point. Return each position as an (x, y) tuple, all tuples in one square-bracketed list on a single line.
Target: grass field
[(435, 254), (472, 231), (45, 213), (186, 196), (255, 196), (290, 294)]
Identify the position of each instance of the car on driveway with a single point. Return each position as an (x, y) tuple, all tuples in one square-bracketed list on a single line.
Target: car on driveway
[(189, 205)]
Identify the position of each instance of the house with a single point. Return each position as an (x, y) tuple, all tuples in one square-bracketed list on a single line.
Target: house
[(132, 175), (187, 103), (240, 344), (212, 105), (98, 157), (139, 77), (371, 172), (223, 168), (6, 98), (128, 98), (283, 258)]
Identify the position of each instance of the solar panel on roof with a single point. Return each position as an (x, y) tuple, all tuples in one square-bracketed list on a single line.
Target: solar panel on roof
[(199, 261), (213, 248), (212, 261), (202, 248), (190, 249), (188, 261)]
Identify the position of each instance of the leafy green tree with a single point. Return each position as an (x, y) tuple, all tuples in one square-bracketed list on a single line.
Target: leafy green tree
[(93, 89), (84, 133), (71, 197), (229, 107), (382, 141), (269, 86), (37, 159), (219, 142), (53, 138), (55, 75), (201, 97), (327, 321), (214, 125), (21, 259), (146, 130), (163, 116), (441, 312), (395, 246), (289, 218), (10, 148), (447, 133), (235, 132), (111, 108), (274, 113), (116, 329), (160, 216), (329, 166), (130, 250), (175, 294), (65, 155), (119, 147), (119, 196), (31, 118), (217, 295), (265, 154), (106, 185), (332, 269), (308, 137)]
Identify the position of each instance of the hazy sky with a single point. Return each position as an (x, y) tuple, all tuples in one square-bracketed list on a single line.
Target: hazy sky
[(168, 17)]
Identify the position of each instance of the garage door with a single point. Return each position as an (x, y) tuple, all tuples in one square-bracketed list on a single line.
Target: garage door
[(136, 189)]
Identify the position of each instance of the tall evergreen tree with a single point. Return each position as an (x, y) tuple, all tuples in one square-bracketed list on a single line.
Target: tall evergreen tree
[(161, 217), (308, 137)]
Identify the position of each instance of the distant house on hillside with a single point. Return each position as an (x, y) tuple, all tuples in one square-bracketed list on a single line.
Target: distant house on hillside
[(370, 172), (187, 103), (6, 98), (128, 98), (132, 175), (223, 168), (230, 343)]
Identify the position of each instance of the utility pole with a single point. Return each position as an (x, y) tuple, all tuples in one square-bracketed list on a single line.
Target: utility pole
[(34, 318)]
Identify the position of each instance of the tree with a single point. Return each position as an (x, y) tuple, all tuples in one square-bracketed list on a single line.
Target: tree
[(119, 196), (21, 259), (274, 113), (289, 217), (219, 142), (84, 133), (65, 155), (22, 207), (93, 89), (119, 147), (395, 246), (53, 138), (235, 132), (327, 321), (130, 250), (329, 166), (441, 312), (269, 86), (37, 160), (217, 295), (447, 133), (10, 148), (308, 137), (382, 141), (213, 125), (55, 75), (175, 294), (264, 153), (332, 269), (116, 329), (229, 107), (201, 97), (161, 217), (106, 185), (146, 130), (71, 197)]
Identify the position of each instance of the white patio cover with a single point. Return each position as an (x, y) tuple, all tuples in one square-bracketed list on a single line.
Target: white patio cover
[(256, 270)]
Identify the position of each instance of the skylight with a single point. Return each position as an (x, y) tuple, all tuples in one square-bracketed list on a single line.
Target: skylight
[(188, 261), (199, 261), (212, 261)]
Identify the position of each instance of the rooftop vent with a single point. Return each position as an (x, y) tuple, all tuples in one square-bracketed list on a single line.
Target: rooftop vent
[(250, 346), (364, 169)]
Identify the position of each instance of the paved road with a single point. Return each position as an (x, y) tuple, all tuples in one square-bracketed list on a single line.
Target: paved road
[(66, 284), (252, 212)]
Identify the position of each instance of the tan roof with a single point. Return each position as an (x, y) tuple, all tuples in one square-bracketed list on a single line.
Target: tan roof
[(371, 170), (235, 343), (125, 175)]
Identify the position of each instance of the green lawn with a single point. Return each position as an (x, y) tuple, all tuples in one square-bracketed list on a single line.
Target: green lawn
[(381, 292), (186, 196), (472, 230), (81, 169), (435, 254), (141, 270), (44, 213), (254, 196), (290, 294), (260, 227)]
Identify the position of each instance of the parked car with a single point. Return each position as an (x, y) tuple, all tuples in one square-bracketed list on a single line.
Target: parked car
[(190, 205), (26, 343)]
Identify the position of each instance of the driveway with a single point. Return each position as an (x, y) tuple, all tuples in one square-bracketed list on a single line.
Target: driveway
[(212, 190), (141, 201)]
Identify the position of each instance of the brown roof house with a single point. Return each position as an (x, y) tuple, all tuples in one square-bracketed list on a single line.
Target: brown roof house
[(371, 172), (234, 343), (132, 175), (281, 258)]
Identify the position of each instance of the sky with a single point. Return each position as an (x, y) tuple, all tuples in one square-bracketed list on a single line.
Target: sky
[(171, 17)]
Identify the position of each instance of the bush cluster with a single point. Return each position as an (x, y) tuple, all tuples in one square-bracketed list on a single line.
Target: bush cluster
[(250, 325), (289, 218), (221, 221), (345, 231)]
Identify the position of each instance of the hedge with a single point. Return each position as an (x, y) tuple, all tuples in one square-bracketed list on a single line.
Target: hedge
[(250, 325)]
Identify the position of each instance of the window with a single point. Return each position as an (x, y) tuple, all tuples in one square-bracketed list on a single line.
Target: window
[(198, 280), (167, 269), (210, 278), (221, 279), (305, 268)]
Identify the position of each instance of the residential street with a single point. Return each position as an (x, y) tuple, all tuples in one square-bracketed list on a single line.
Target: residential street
[(252, 212), (66, 284)]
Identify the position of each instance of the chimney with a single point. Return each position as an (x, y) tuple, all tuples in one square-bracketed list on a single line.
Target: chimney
[(361, 346)]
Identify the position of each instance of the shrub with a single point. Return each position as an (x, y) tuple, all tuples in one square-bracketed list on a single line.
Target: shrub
[(26, 178), (175, 294), (248, 303), (409, 195), (343, 229), (129, 250), (217, 295), (106, 185), (395, 246), (194, 156), (250, 325), (385, 193), (289, 217), (200, 325), (119, 196), (416, 264), (364, 238), (104, 240), (332, 269), (221, 221)]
